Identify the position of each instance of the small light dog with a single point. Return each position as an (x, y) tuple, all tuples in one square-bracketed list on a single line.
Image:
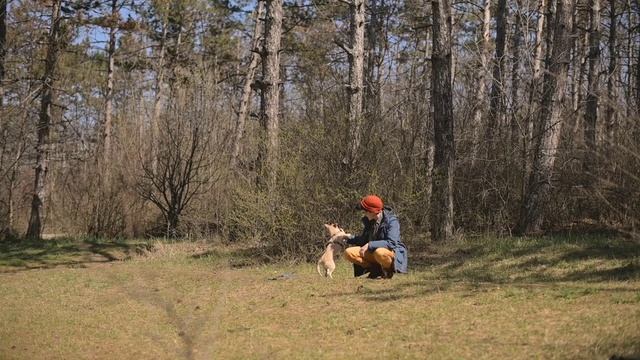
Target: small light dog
[(335, 246)]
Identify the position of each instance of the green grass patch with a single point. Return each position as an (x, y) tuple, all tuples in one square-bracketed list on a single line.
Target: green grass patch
[(550, 298)]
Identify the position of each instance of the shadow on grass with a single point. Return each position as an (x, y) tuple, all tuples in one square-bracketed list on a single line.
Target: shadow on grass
[(546, 262), (239, 257), (24, 255)]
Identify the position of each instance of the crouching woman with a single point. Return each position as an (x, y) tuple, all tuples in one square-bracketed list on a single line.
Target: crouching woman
[(378, 251)]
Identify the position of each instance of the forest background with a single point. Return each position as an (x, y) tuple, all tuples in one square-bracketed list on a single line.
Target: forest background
[(257, 122)]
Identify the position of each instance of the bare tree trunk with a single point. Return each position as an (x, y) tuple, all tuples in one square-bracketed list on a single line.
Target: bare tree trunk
[(442, 196), (108, 121), (270, 86), (44, 123), (612, 76), (3, 128), (537, 60), (245, 102), (629, 73), (454, 54), (533, 92), (549, 34), (3, 51), (515, 78), (159, 99), (375, 41), (496, 98), (575, 55), (591, 111), (638, 71), (580, 68), (356, 81), (550, 124), (481, 95)]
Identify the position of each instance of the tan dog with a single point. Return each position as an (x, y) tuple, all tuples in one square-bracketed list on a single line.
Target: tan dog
[(326, 264)]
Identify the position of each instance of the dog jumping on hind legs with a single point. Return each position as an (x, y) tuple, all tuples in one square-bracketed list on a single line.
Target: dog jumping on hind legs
[(335, 247)]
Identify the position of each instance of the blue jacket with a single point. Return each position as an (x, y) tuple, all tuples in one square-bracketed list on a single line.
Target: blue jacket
[(387, 236)]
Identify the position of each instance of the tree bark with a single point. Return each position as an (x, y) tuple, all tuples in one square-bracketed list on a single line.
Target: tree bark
[(496, 98), (580, 69), (612, 76), (108, 118), (44, 123), (533, 92), (591, 111), (245, 102), (537, 59), (549, 33), (550, 123), (638, 72), (157, 105), (515, 78), (375, 44), (480, 98), (3, 127), (629, 73), (356, 81), (270, 87), (3, 52), (442, 196)]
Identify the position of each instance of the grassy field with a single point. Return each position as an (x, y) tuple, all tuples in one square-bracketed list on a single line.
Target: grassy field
[(542, 298)]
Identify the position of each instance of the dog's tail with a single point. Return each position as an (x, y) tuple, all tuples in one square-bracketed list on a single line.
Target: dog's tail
[(321, 270)]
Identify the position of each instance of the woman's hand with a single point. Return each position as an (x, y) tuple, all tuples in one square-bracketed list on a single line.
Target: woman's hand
[(363, 249)]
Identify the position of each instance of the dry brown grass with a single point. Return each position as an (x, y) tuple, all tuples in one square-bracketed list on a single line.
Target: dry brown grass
[(469, 300)]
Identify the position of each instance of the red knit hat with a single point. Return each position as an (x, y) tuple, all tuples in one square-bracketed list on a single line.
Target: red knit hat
[(372, 204)]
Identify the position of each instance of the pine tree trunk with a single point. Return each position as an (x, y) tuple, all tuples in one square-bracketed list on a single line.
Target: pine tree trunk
[(356, 80), (108, 118), (591, 111), (629, 73), (245, 102), (612, 77), (270, 87), (580, 69), (575, 56), (159, 99), (638, 69), (550, 122), (537, 60), (3, 52), (375, 38), (549, 33), (480, 97), (638, 72), (533, 93), (515, 78), (44, 123), (442, 196), (3, 128), (496, 98)]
